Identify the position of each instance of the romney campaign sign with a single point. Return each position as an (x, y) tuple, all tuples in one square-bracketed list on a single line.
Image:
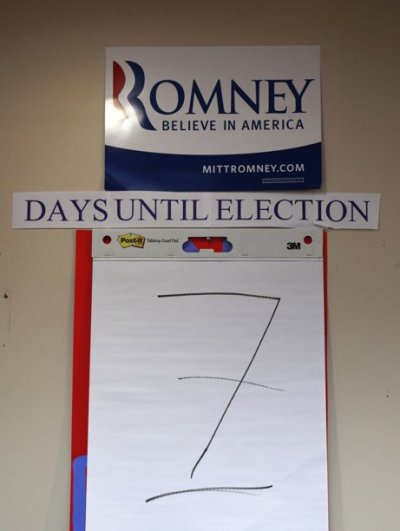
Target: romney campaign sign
[(213, 118)]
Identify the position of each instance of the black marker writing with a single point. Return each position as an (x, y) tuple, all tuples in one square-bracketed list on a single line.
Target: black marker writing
[(253, 357), (208, 489)]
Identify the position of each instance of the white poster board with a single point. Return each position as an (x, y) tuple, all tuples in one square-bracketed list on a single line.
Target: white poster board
[(207, 387)]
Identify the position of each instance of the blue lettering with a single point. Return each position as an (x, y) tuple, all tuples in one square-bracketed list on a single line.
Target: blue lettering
[(273, 95), (298, 95), (277, 206), (239, 211), (133, 97), (57, 211), (221, 208), (216, 93), (195, 216), (145, 206), (253, 104), (169, 203), (304, 203), (180, 96), (331, 205), (119, 210), (168, 97), (39, 214), (99, 209), (78, 208), (261, 208), (355, 207)]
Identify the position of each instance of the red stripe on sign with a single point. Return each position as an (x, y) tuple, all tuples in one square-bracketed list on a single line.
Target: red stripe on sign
[(214, 243), (118, 80), (81, 348)]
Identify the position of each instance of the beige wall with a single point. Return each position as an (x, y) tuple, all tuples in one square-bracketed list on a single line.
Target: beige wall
[(51, 137)]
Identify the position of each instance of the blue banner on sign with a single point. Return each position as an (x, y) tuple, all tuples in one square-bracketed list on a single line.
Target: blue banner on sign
[(292, 169), (79, 467)]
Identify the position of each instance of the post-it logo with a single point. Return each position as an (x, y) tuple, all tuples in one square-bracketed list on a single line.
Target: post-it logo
[(131, 240)]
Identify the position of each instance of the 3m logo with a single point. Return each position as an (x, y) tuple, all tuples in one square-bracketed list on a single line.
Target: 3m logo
[(131, 240), (292, 246)]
